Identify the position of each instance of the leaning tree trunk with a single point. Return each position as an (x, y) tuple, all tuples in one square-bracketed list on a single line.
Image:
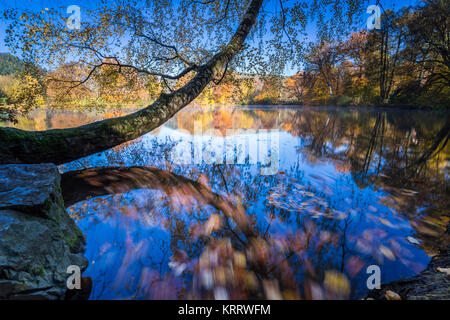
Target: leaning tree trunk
[(64, 145)]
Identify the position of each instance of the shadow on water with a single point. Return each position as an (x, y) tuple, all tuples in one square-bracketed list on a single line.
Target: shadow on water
[(188, 211)]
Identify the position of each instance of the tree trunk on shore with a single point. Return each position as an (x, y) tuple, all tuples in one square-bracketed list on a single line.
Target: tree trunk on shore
[(64, 145)]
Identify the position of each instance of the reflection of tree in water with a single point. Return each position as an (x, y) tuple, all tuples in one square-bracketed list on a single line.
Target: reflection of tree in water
[(284, 235), (240, 229), (405, 157)]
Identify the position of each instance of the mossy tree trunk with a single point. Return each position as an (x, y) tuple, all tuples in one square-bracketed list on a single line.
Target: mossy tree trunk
[(64, 145)]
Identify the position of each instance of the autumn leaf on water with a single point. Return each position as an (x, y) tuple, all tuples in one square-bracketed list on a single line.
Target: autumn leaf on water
[(354, 265), (387, 223), (413, 240), (423, 228), (391, 295), (336, 284), (387, 252), (239, 259)]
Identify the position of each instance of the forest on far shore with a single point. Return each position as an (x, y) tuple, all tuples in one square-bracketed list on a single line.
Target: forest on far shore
[(405, 63)]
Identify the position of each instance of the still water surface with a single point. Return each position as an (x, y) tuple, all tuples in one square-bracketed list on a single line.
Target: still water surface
[(348, 188)]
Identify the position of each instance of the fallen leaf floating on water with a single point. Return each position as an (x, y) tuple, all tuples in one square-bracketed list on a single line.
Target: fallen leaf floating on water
[(239, 259), (354, 265), (391, 295), (444, 270), (291, 295), (408, 192), (387, 223), (440, 223), (387, 252), (413, 240), (422, 229), (336, 284), (178, 268)]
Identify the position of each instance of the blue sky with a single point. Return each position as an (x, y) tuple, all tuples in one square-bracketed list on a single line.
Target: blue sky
[(271, 5)]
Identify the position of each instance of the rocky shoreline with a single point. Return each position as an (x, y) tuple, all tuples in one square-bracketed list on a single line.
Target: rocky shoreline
[(38, 238), (433, 283)]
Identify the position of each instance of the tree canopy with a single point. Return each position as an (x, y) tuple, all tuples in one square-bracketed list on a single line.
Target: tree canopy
[(10, 64), (169, 40)]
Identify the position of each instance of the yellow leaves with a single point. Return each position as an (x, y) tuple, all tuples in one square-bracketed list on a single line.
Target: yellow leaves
[(24, 92), (291, 295), (391, 295), (220, 277), (425, 228), (240, 260), (337, 284)]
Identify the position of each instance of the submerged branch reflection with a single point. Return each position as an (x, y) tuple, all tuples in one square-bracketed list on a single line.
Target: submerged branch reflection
[(354, 188)]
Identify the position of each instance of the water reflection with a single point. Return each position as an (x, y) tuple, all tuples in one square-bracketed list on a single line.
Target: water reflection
[(353, 188)]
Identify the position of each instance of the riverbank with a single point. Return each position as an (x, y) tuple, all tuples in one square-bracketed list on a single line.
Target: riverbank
[(433, 283)]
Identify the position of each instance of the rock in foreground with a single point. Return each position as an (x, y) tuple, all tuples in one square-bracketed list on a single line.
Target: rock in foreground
[(38, 239)]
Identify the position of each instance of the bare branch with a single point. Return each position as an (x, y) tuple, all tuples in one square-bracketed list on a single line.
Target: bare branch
[(225, 12), (204, 2), (283, 17)]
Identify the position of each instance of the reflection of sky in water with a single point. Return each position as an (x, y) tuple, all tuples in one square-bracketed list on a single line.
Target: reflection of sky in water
[(113, 236), (130, 242)]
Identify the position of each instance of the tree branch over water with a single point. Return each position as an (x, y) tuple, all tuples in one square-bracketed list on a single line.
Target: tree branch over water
[(187, 46), (59, 146)]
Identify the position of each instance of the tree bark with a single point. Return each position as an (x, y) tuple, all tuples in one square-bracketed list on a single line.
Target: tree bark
[(64, 145), (82, 184), (94, 182)]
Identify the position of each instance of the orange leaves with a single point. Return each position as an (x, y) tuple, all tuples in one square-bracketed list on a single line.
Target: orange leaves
[(240, 260), (258, 251), (221, 271), (336, 284)]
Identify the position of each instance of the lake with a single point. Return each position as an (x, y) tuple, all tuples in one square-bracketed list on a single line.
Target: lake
[(254, 202)]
